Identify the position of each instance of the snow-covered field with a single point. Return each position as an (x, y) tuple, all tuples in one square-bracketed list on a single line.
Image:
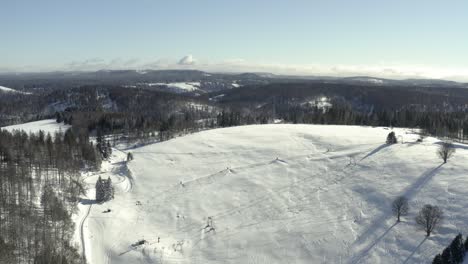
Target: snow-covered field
[(9, 90), (275, 194), (48, 126), (184, 86)]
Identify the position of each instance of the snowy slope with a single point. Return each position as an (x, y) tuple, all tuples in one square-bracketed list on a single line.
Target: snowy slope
[(9, 90), (48, 126), (184, 86), (277, 194)]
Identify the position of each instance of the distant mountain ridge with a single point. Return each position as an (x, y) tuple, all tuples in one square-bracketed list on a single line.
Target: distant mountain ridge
[(197, 75)]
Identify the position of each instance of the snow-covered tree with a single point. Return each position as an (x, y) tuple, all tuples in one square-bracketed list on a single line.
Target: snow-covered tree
[(109, 190), (100, 190), (104, 190)]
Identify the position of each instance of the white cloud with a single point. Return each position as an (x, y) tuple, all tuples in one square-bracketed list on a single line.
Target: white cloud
[(187, 60)]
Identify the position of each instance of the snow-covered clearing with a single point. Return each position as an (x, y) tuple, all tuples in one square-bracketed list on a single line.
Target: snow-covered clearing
[(276, 194), (47, 125), (185, 86), (9, 90)]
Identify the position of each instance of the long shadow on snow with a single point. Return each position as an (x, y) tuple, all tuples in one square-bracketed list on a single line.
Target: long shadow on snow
[(369, 248), (414, 251), (455, 145), (410, 192), (87, 201), (375, 151), (422, 180)]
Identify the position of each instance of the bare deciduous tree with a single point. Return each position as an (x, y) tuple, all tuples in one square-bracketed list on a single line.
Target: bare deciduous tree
[(429, 218), (400, 207), (445, 151)]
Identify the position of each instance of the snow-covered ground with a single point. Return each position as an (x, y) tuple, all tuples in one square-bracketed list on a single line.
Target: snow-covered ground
[(184, 86), (275, 194), (48, 126), (9, 90)]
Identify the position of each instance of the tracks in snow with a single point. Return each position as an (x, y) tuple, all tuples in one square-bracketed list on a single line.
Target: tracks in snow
[(82, 230)]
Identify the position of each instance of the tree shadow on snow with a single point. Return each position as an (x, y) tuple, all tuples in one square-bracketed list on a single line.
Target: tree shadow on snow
[(364, 252), (375, 151), (455, 145), (422, 180), (88, 201), (414, 251), (409, 193)]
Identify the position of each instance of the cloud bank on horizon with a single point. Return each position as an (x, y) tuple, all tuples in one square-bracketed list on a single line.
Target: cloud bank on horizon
[(188, 62)]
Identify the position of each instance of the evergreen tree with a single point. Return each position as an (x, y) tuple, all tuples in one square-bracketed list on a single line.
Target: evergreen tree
[(108, 149), (466, 244), (438, 259), (391, 138), (100, 190), (109, 190), (447, 256), (457, 249), (129, 156)]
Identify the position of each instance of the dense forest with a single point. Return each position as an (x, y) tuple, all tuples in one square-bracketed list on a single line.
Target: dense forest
[(40, 186), (142, 113)]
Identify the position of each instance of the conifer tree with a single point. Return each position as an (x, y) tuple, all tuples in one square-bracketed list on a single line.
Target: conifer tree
[(391, 138), (109, 190), (457, 249), (129, 156), (466, 244), (447, 256), (437, 259), (100, 190)]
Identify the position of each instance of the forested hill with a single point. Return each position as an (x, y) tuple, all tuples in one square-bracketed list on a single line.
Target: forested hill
[(170, 101)]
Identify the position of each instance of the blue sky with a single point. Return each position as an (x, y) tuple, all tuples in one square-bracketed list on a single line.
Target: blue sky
[(397, 38)]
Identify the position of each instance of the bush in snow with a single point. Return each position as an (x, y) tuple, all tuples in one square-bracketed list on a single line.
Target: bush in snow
[(391, 138), (129, 156), (445, 151), (429, 218)]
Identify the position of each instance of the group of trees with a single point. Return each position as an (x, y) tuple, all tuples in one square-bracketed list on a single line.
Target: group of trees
[(39, 188), (428, 218), (104, 190), (103, 145), (454, 253)]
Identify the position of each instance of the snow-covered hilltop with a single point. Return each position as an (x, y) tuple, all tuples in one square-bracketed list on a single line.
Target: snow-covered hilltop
[(276, 194)]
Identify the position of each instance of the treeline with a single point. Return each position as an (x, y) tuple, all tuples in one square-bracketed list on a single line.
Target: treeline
[(452, 125), (164, 124), (39, 189), (453, 254)]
